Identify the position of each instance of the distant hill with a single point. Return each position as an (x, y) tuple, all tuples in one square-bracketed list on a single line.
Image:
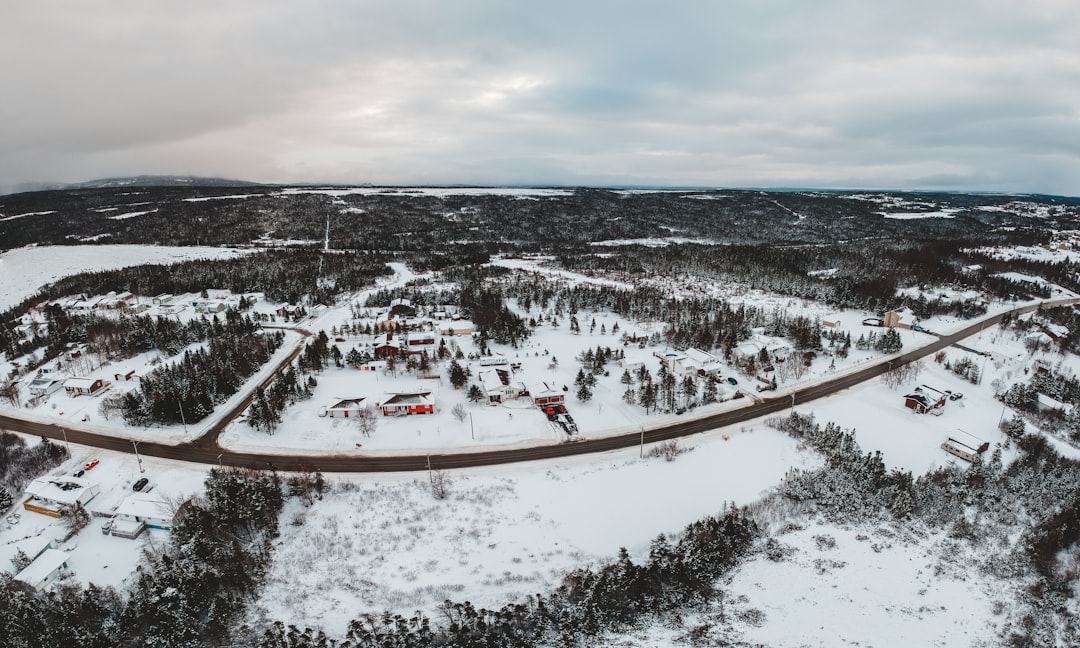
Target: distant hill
[(140, 181)]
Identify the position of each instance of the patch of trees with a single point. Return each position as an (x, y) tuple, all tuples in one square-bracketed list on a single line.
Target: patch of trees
[(679, 573), (431, 227), (187, 390), (294, 276), (191, 592), (985, 505), (20, 464)]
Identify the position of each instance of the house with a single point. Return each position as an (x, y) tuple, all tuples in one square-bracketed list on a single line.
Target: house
[(162, 299), (374, 365), (81, 386), (47, 495), (926, 400), (32, 547), (417, 342), (135, 309), (903, 318), (343, 408), (402, 307), (497, 360), (545, 394), (44, 386), (635, 338), (496, 385), (965, 446), (386, 348), (703, 362), (405, 403), (1056, 332), (210, 305), (830, 321), (45, 569), (457, 327), (141, 511), (114, 301)]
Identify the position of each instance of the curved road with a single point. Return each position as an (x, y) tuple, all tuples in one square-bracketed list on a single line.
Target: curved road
[(206, 451)]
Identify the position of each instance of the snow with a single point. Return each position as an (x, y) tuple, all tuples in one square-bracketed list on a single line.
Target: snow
[(37, 213), (133, 214), (941, 213), (383, 541), (861, 587), (106, 560), (27, 269), (654, 242)]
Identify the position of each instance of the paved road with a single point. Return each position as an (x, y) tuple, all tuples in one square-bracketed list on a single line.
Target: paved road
[(207, 452)]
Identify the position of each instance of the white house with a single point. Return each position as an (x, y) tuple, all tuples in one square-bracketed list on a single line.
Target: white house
[(146, 508), (456, 327), (44, 386), (704, 362), (32, 547), (494, 387), (349, 407), (47, 495), (45, 569)]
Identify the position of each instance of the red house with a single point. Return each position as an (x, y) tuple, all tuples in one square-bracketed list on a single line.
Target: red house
[(405, 403), (545, 394), (925, 400)]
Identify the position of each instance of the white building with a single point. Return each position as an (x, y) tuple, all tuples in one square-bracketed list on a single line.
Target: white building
[(45, 569), (44, 386), (145, 508), (47, 495), (32, 547), (349, 407)]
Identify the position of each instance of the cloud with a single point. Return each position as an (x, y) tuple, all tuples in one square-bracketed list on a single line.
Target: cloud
[(967, 95)]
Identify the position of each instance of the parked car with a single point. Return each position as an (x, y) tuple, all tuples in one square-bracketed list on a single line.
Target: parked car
[(140, 484), (90, 464), (955, 396), (732, 381), (78, 473)]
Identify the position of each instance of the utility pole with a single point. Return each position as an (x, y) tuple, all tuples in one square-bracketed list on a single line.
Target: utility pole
[(472, 433), (182, 419), (793, 403), (135, 444), (66, 444), (219, 462), (641, 448)]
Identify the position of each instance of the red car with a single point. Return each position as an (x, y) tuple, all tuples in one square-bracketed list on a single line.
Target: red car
[(90, 464)]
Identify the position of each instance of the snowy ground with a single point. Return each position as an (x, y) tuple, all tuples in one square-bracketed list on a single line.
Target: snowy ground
[(383, 542), (96, 558), (27, 269)]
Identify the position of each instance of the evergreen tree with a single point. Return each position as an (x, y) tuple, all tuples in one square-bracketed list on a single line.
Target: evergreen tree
[(475, 393), (583, 393), (458, 376)]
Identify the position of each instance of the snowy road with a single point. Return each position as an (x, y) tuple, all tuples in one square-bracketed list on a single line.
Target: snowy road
[(206, 451)]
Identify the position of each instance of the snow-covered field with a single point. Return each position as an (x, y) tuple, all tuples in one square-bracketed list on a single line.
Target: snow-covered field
[(25, 270), (383, 542)]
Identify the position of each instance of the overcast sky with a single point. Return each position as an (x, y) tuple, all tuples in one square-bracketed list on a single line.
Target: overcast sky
[(955, 94)]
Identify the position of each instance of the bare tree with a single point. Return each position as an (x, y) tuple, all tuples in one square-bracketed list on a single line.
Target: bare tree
[(367, 419), (459, 412), (902, 374), (9, 391)]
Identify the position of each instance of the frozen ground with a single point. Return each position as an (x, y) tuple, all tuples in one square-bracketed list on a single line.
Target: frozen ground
[(27, 269), (383, 542), (97, 558)]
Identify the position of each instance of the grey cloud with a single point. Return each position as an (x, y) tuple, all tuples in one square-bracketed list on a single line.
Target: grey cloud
[(834, 93)]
